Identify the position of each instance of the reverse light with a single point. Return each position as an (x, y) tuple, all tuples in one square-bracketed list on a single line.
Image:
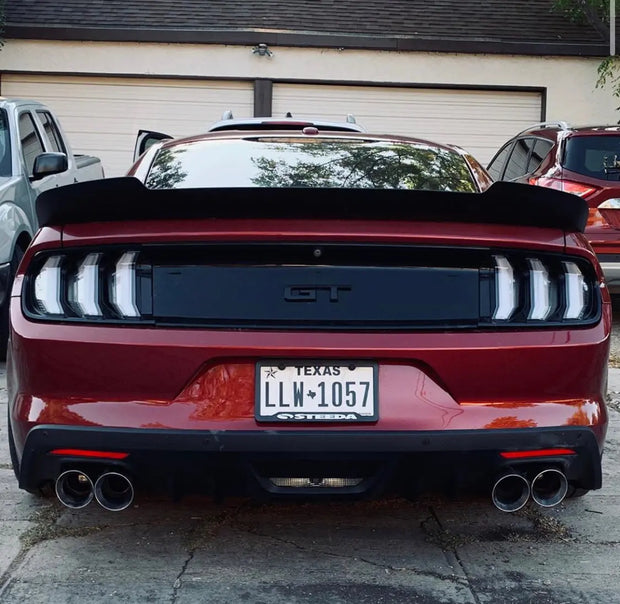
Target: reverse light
[(540, 305), (123, 286), (47, 287), (506, 289)]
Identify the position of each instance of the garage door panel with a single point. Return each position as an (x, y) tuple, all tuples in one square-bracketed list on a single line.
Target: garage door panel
[(477, 120), (101, 116)]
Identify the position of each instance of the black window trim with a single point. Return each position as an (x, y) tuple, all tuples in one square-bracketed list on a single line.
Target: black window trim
[(36, 129), (510, 143), (50, 144)]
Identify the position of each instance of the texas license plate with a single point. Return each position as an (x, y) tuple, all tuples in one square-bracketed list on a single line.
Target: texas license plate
[(308, 391)]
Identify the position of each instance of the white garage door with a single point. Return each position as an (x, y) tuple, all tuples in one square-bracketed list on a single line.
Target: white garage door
[(477, 120), (102, 116)]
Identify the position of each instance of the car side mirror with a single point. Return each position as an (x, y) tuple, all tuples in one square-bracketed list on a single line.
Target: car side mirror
[(49, 163)]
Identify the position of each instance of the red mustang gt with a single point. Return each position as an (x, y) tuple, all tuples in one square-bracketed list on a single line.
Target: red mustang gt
[(308, 313)]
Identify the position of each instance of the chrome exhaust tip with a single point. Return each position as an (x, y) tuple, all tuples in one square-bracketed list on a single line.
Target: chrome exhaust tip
[(74, 489), (549, 487), (510, 493), (114, 491)]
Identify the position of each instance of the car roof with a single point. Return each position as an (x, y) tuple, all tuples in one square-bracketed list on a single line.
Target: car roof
[(300, 134), (284, 123), (564, 129)]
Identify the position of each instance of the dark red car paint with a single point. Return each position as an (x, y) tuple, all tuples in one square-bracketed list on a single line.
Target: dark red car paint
[(180, 379)]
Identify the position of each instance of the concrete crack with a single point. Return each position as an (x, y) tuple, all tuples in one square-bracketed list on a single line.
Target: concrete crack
[(387, 567), (450, 544), (176, 586)]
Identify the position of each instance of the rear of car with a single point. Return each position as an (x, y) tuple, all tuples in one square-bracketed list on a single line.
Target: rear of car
[(582, 161), (355, 316)]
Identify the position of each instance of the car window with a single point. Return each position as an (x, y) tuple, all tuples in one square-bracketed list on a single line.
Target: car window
[(496, 167), (539, 152), (323, 163), (52, 132), (5, 145), (30, 139), (518, 161), (596, 156)]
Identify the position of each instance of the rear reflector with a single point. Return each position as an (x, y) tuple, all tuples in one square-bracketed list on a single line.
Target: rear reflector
[(537, 453), (87, 453)]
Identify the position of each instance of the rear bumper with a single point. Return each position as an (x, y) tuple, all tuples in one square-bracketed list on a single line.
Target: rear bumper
[(244, 462)]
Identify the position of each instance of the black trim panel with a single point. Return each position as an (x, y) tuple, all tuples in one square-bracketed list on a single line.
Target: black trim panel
[(126, 198), (161, 452)]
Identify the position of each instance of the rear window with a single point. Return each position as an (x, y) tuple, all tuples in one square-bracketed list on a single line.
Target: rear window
[(5, 145), (596, 156), (277, 162)]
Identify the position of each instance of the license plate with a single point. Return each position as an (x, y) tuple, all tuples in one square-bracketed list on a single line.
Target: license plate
[(306, 391)]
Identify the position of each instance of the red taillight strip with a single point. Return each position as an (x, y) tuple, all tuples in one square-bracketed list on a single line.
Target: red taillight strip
[(538, 453), (87, 453)]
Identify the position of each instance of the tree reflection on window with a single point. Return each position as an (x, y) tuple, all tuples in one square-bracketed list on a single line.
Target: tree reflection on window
[(167, 170), (377, 166), (317, 163)]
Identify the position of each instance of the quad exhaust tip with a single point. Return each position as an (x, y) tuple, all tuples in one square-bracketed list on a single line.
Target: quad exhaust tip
[(511, 492), (549, 487), (114, 491), (74, 489)]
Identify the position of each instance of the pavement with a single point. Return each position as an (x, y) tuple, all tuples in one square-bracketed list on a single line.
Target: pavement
[(431, 550)]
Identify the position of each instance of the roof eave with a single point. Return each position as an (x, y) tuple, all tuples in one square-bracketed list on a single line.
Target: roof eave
[(306, 39)]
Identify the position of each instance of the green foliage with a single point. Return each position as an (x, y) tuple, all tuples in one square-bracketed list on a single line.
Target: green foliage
[(595, 13), (609, 75), (583, 11)]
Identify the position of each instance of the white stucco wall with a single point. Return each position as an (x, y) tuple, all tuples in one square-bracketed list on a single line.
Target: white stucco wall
[(570, 82)]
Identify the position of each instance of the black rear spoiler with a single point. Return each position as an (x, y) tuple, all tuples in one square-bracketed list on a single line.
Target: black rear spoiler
[(119, 199)]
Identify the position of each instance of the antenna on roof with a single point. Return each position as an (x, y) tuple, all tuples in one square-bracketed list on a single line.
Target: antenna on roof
[(288, 114), (351, 119), (227, 115)]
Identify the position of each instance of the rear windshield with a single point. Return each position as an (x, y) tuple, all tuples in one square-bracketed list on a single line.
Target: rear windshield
[(5, 145), (269, 162), (596, 156)]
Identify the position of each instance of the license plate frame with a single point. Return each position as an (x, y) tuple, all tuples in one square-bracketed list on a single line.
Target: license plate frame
[(284, 390)]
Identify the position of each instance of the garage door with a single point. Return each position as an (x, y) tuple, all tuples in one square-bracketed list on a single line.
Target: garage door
[(477, 120), (101, 116)]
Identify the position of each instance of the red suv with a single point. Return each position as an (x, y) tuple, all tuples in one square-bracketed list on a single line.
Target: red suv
[(584, 161)]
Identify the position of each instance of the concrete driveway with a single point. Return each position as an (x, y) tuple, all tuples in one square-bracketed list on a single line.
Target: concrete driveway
[(431, 550)]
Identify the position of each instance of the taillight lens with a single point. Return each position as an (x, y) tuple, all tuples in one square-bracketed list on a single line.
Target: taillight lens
[(89, 286), (513, 288), (538, 290), (568, 186)]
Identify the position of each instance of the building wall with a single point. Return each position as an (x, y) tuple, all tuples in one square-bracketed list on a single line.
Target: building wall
[(565, 86)]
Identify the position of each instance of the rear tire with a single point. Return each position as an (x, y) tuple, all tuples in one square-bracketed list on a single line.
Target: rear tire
[(575, 492)]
